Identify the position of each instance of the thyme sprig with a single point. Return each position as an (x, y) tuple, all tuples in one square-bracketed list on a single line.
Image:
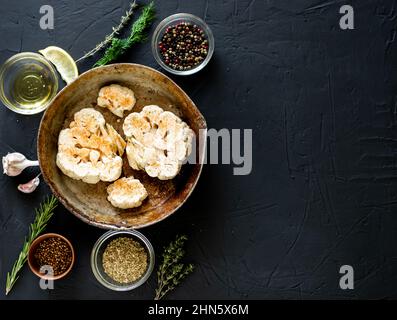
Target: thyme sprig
[(171, 271), (119, 46), (116, 30), (43, 215)]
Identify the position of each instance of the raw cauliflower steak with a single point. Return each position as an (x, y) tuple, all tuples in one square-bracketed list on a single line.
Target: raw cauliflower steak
[(116, 98), (90, 149), (157, 141), (126, 193)]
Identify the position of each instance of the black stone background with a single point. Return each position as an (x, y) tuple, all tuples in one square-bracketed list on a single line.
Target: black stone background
[(323, 108)]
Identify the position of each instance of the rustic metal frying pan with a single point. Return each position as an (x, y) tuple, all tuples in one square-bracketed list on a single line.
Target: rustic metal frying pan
[(87, 201)]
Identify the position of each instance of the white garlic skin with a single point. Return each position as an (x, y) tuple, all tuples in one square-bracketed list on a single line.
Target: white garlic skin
[(30, 186), (14, 163)]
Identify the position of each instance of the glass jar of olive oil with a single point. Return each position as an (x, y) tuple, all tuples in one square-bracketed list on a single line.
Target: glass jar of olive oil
[(28, 83)]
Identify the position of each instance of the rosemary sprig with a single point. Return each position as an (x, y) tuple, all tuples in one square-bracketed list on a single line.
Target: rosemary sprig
[(171, 272), (119, 46), (43, 215), (116, 30)]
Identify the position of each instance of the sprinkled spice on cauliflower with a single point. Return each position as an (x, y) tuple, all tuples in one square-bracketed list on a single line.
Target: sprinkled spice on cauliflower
[(126, 193), (158, 142), (116, 98), (90, 150)]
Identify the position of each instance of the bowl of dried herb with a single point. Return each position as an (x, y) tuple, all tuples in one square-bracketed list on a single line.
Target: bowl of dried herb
[(122, 260)]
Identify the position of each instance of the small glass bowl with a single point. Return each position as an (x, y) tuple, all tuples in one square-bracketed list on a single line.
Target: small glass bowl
[(97, 254), (173, 20), (13, 67)]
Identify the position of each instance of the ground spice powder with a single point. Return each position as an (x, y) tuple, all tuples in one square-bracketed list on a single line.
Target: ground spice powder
[(124, 260)]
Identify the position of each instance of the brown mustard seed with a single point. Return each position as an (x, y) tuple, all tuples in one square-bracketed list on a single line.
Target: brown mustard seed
[(124, 260), (183, 46), (54, 252)]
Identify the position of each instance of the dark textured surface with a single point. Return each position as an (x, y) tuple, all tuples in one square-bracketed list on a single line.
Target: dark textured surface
[(322, 104)]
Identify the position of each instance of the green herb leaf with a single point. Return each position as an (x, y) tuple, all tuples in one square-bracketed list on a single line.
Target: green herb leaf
[(116, 30), (43, 215), (120, 46), (171, 272)]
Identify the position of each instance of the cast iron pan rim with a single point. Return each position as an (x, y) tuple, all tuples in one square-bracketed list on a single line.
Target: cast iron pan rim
[(76, 211)]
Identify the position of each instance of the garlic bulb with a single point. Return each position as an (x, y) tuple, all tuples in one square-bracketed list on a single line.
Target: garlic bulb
[(30, 186), (14, 163)]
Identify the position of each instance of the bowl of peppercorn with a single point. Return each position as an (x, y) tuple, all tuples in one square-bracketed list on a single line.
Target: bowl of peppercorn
[(183, 44), (51, 256)]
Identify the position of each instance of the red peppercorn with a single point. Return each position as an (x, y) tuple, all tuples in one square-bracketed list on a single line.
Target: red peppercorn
[(183, 46)]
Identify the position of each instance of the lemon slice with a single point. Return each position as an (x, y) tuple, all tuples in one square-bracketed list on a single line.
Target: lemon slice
[(62, 60)]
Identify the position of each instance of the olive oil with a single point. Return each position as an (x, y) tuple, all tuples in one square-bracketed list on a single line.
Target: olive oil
[(28, 83), (32, 87)]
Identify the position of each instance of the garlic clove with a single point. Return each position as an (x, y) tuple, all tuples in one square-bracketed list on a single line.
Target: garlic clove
[(10, 163), (14, 163), (30, 186)]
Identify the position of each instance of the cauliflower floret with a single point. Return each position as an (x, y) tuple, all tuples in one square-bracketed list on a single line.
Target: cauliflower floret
[(87, 151), (157, 141), (116, 98), (152, 112), (89, 119), (111, 168), (136, 126), (126, 193)]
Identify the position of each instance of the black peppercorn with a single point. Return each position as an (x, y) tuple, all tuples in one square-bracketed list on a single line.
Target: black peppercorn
[(54, 252), (183, 46)]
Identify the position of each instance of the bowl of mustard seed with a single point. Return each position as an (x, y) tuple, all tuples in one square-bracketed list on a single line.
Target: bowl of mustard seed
[(51, 256), (122, 260), (183, 44)]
